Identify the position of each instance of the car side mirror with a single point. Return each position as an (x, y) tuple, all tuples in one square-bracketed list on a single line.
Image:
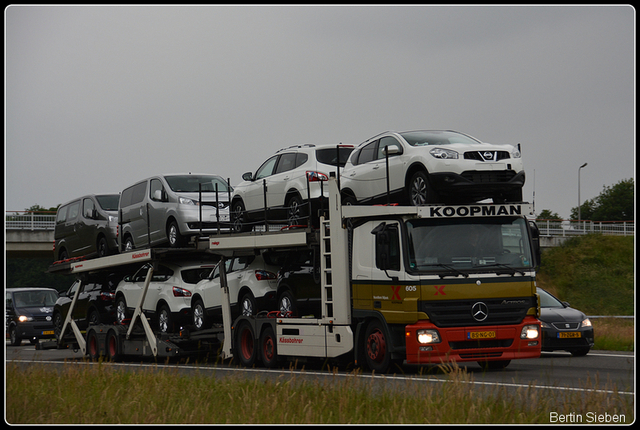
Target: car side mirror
[(391, 150), (247, 176)]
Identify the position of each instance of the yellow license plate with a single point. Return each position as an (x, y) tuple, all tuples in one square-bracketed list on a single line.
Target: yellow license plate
[(47, 332), (481, 335), (569, 335)]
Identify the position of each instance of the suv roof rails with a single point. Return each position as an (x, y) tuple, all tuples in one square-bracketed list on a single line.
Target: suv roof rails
[(302, 145)]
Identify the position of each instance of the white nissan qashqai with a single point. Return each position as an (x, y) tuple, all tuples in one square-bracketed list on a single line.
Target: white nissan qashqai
[(431, 166), (168, 299)]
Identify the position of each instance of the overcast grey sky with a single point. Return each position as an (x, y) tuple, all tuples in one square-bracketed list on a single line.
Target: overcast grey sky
[(99, 97)]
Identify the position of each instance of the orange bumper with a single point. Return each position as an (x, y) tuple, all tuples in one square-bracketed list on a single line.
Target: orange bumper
[(484, 343)]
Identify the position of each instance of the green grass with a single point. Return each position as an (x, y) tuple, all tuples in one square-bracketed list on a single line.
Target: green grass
[(100, 394), (594, 273)]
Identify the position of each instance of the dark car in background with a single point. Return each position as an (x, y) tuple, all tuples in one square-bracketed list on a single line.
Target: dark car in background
[(299, 288), (95, 304), (29, 314), (564, 328)]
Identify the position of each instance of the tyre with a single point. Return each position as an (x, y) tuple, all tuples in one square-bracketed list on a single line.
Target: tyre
[(247, 304), (239, 217), (93, 318), (287, 303), (296, 212), (349, 200), (58, 322), (121, 310), (376, 348), (268, 348), (580, 352), (112, 347), (62, 255), (245, 345), (103, 248), (200, 320), (176, 240), (420, 191), (14, 338), (165, 320), (128, 245), (93, 348)]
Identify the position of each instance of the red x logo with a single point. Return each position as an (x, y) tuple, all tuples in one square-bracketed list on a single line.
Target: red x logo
[(396, 293), (439, 290)]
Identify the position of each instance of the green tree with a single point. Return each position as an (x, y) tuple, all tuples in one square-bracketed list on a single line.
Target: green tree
[(547, 214), (614, 203)]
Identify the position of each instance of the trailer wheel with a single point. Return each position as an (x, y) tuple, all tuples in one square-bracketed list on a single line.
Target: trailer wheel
[(112, 347), (246, 350), (268, 348), (93, 349), (376, 348)]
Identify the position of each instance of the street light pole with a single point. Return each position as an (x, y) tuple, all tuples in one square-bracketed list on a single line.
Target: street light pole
[(579, 168)]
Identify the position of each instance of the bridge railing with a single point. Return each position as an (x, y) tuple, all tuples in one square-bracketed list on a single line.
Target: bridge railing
[(47, 220), (25, 220), (554, 227)]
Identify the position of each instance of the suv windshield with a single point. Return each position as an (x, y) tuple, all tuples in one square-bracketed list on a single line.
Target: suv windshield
[(189, 183), (423, 138), (333, 156), (469, 244), (109, 202)]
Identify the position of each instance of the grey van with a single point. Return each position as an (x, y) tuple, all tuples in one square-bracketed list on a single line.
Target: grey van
[(87, 225), (172, 208)]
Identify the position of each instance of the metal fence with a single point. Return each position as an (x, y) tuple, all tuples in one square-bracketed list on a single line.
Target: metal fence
[(574, 228), (30, 220), (47, 220)]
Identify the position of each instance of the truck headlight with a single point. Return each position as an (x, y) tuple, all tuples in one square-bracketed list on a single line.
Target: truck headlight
[(529, 332), (428, 336)]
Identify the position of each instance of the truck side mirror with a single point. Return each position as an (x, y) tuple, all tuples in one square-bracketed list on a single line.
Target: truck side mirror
[(387, 243), (535, 241)]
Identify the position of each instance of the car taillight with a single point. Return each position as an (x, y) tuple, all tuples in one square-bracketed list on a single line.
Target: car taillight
[(316, 177), (263, 275), (181, 292), (107, 296)]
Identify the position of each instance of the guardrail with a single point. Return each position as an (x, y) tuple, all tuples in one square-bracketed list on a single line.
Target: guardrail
[(575, 228), (25, 220)]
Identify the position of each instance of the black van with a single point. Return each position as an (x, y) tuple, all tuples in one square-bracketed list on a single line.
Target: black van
[(29, 314), (86, 226)]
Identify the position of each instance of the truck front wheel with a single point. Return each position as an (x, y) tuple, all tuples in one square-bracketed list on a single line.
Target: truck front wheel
[(245, 345), (376, 348)]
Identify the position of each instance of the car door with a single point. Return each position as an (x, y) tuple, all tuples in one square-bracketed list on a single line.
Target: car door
[(254, 194), (134, 287), (70, 228), (363, 171), (281, 177), (158, 208), (396, 167), (86, 227)]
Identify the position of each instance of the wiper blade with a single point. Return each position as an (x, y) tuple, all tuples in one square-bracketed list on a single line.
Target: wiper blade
[(511, 270), (446, 266)]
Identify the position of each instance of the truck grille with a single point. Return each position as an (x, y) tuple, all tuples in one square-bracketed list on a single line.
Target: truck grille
[(456, 313)]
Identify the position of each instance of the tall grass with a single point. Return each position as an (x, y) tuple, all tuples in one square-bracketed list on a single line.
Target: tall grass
[(100, 394)]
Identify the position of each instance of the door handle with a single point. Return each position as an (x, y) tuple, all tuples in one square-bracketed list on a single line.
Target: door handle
[(377, 166)]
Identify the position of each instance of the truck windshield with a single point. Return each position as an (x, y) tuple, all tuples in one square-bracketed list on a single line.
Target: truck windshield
[(468, 245)]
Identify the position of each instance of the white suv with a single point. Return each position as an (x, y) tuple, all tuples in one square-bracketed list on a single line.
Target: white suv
[(252, 286), (431, 166), (168, 299), (286, 180)]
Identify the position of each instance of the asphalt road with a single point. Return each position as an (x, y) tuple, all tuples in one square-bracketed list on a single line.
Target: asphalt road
[(606, 371)]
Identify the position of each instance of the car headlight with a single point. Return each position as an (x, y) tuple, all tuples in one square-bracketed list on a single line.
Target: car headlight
[(25, 318), (529, 332), (544, 324), (186, 201), (515, 153), (113, 218), (443, 154), (585, 323), (428, 336)]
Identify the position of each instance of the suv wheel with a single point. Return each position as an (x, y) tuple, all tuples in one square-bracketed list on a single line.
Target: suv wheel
[(420, 191), (296, 213)]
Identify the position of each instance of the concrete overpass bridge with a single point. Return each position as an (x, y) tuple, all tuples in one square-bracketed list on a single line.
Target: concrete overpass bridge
[(30, 235)]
